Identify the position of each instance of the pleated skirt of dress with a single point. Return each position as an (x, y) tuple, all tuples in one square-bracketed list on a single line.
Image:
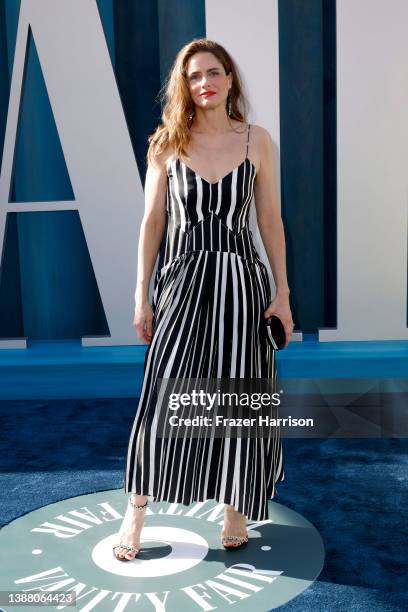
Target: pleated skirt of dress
[(208, 308)]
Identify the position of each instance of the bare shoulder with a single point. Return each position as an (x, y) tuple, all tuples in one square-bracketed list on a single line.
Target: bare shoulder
[(161, 161), (260, 135), (261, 142)]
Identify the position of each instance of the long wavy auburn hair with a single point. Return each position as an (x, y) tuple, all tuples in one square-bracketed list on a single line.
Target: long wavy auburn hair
[(177, 104)]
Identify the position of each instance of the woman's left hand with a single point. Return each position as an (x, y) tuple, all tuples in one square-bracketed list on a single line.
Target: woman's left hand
[(281, 308)]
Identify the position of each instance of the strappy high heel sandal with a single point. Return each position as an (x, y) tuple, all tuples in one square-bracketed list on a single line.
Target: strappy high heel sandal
[(121, 545), (242, 540)]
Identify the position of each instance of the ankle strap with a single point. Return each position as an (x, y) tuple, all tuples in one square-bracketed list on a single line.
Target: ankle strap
[(136, 506)]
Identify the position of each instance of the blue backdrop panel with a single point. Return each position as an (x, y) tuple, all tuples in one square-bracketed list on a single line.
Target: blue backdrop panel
[(304, 52)]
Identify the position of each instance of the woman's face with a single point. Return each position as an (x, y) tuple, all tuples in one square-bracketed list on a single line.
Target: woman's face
[(207, 80)]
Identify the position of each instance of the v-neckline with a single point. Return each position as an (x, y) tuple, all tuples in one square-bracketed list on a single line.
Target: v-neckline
[(223, 177)]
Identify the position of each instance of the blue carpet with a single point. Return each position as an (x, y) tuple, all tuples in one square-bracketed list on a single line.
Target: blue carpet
[(353, 490)]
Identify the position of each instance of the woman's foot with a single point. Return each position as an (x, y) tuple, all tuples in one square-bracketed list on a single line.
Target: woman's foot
[(235, 526), (132, 524)]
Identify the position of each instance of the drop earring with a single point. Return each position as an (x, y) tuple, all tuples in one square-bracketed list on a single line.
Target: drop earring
[(229, 104)]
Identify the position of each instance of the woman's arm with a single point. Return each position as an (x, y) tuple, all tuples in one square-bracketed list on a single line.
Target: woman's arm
[(268, 215), (271, 229), (150, 237), (151, 227)]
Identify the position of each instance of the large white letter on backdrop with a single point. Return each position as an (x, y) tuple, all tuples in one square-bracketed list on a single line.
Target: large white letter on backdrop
[(85, 101), (372, 183)]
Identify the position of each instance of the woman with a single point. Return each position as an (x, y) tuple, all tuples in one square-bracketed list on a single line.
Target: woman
[(211, 292)]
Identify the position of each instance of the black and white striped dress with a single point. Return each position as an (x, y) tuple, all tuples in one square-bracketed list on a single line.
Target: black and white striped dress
[(211, 290)]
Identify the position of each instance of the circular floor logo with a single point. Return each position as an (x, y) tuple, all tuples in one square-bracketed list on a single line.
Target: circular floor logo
[(182, 565)]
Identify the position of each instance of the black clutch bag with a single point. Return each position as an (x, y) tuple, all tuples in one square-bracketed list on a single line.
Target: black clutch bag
[(275, 332)]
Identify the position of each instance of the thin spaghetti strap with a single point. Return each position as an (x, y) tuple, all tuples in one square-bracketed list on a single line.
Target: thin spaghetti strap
[(249, 125)]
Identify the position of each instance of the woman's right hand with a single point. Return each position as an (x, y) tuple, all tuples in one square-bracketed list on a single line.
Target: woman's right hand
[(143, 320)]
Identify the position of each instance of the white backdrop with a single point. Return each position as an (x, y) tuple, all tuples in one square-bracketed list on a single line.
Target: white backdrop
[(372, 172)]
